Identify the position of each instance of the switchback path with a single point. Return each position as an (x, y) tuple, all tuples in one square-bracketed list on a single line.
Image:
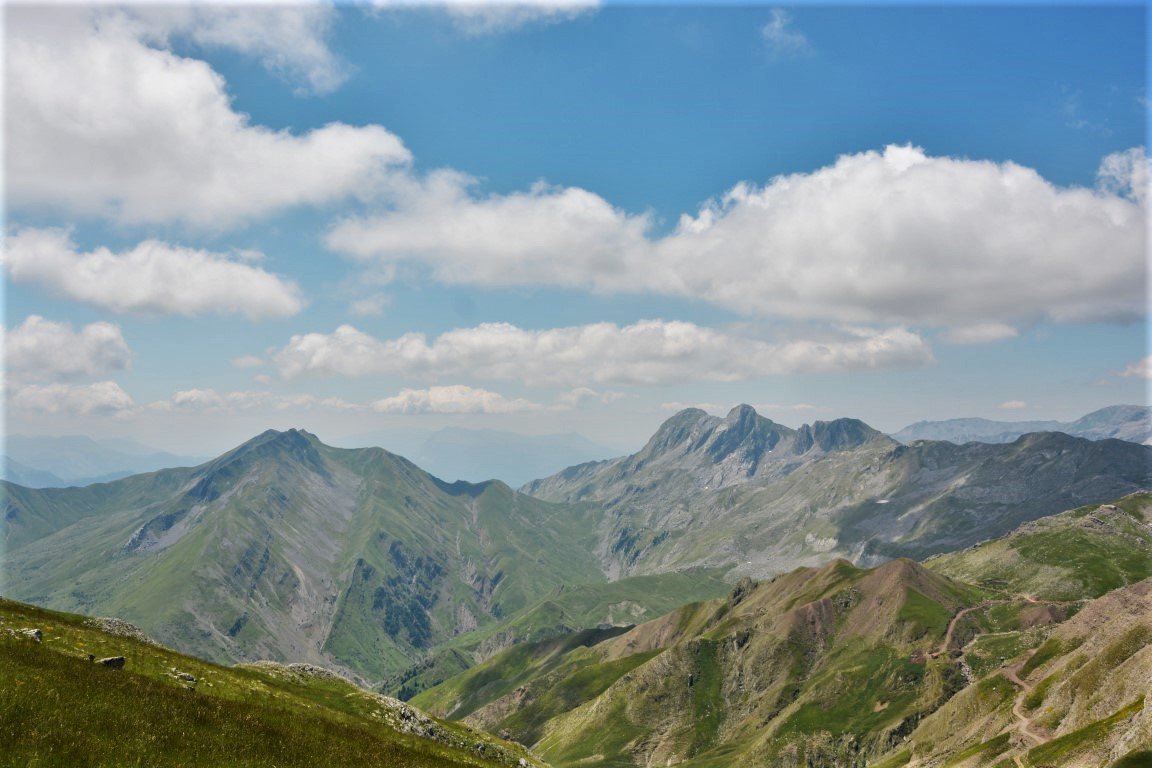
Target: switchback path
[(1027, 729)]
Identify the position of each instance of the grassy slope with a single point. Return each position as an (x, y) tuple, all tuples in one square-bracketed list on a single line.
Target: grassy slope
[(809, 657), (1087, 684), (58, 709), (1078, 554)]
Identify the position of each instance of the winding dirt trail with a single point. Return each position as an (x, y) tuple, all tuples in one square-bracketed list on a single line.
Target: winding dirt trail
[(1027, 729)]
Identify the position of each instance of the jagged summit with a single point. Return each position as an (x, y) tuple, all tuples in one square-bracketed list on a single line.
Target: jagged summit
[(750, 435), (836, 435)]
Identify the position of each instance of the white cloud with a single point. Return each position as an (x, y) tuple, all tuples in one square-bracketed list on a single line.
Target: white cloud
[(288, 40), (42, 350), (101, 397), (980, 333), (1125, 173), (154, 277), (896, 236), (98, 123), (548, 235), (1141, 369), (208, 400), (452, 399), (1013, 405), (647, 352), (782, 38), (486, 17)]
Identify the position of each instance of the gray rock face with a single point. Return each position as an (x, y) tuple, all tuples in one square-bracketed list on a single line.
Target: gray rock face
[(745, 492)]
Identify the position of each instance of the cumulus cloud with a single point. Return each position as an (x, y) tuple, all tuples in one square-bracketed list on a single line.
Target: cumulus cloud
[(647, 352), (154, 277), (545, 236), (896, 236), (41, 349), (1141, 369), (100, 123), (290, 41), (452, 399), (486, 17), (101, 397), (783, 39)]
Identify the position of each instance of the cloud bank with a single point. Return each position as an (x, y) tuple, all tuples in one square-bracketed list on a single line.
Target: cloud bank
[(647, 352)]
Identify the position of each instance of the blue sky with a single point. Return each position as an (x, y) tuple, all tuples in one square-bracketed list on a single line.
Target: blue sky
[(569, 217)]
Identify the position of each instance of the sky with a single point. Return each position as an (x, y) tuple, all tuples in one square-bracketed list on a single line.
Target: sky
[(372, 221)]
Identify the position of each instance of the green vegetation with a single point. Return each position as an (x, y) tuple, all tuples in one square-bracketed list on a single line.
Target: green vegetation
[(1045, 653), (1075, 555), (59, 709), (1060, 751), (1140, 759), (986, 749), (860, 692), (989, 652)]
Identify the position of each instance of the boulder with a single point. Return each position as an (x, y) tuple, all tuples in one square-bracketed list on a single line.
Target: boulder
[(112, 662)]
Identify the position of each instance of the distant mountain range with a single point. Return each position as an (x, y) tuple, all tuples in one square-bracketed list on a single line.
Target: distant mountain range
[(287, 548), (1123, 422), (744, 492), (55, 462)]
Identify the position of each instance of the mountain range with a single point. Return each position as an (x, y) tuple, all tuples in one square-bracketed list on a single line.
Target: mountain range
[(56, 462), (1122, 422), (287, 548), (900, 665), (747, 493)]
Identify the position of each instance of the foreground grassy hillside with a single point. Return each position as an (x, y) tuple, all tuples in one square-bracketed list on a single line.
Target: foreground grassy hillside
[(58, 708)]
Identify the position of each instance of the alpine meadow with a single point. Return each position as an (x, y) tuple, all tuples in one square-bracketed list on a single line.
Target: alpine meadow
[(575, 384)]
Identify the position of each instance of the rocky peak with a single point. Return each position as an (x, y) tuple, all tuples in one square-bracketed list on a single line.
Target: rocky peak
[(680, 431), (745, 431), (836, 435)]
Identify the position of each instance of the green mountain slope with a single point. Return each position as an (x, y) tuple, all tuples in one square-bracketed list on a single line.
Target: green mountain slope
[(833, 661), (1078, 700), (286, 548), (747, 493), (1078, 554), (617, 604), (1044, 662)]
